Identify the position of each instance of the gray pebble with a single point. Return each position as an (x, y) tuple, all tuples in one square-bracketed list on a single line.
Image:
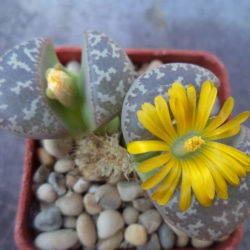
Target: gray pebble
[(57, 181), (151, 220), (61, 239), (152, 244), (48, 220), (166, 236), (130, 215), (64, 165), (46, 193), (108, 197), (69, 222), (41, 174), (129, 191), (70, 204), (142, 204)]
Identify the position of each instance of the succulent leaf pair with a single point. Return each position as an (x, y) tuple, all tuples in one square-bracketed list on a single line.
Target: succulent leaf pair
[(95, 96)]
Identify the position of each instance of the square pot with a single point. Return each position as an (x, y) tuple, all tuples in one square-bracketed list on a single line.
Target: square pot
[(23, 233)]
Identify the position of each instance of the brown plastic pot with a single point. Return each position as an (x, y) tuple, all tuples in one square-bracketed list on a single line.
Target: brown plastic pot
[(23, 232)]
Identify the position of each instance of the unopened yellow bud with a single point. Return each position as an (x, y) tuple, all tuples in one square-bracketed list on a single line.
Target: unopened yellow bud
[(60, 86)]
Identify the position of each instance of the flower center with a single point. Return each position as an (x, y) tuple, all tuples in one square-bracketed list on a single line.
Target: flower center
[(192, 144)]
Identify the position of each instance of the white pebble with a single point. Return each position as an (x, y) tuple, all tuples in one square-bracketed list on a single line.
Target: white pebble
[(93, 188), (86, 231), (129, 191), (201, 243), (81, 186), (61, 239), (64, 165), (136, 234), (182, 241), (111, 243), (46, 193), (74, 67), (108, 223), (90, 204), (70, 204)]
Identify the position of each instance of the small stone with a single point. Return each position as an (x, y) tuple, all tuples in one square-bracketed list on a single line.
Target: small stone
[(57, 181), (93, 188), (70, 204), (46, 205), (46, 193), (166, 236), (129, 191), (136, 234), (154, 63), (74, 67), (142, 204), (201, 243), (41, 174), (61, 239), (151, 220), (130, 215), (48, 220), (90, 204), (44, 157), (152, 244), (86, 231), (69, 222), (182, 241), (71, 178), (108, 223), (224, 237), (58, 147), (111, 243), (64, 165), (81, 186), (108, 197)]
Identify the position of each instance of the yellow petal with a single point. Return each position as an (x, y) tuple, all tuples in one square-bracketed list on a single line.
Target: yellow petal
[(198, 186), (185, 195), (228, 133), (236, 121), (150, 123), (222, 116), (191, 95), (157, 178), (207, 177), (217, 159), (139, 147), (170, 184), (163, 113), (233, 152), (159, 192), (228, 160), (206, 102), (220, 183), (153, 163)]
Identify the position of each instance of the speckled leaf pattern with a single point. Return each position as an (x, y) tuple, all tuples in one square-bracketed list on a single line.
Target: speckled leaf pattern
[(23, 108), (157, 82), (108, 74), (222, 217)]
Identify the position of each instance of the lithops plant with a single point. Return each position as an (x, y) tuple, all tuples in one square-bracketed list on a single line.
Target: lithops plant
[(188, 161), (40, 98)]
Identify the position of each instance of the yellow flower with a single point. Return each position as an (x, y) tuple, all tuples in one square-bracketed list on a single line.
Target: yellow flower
[(188, 149)]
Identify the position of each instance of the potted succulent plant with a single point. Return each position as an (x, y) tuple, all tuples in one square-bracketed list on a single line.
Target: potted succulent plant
[(167, 131)]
